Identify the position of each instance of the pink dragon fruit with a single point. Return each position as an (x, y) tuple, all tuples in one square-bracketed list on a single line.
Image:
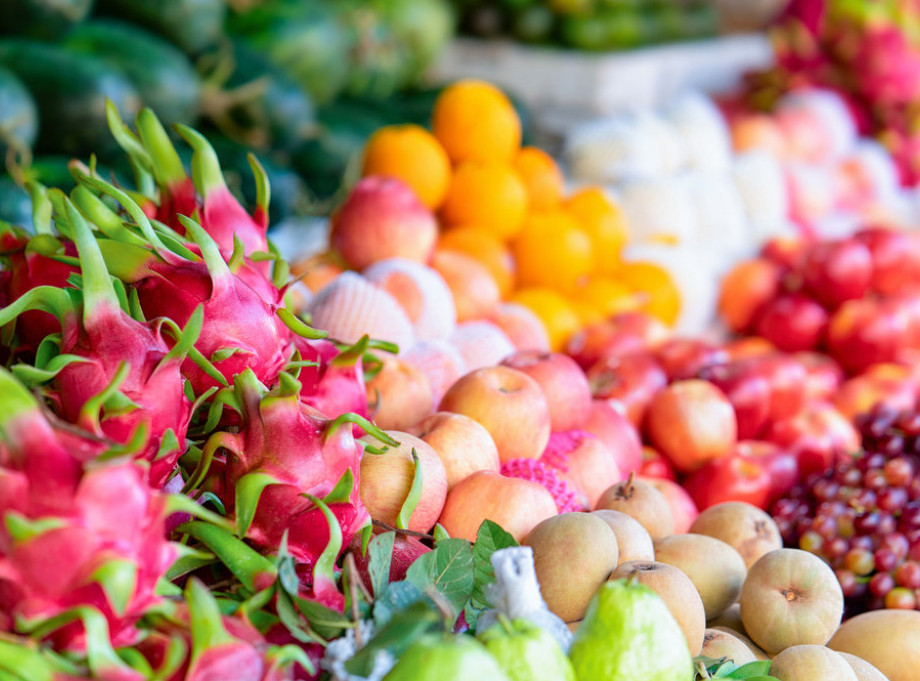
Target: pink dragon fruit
[(286, 455), (104, 523), (116, 377), (887, 67), (335, 386)]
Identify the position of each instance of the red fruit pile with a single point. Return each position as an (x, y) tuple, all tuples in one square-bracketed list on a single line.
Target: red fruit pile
[(856, 298), (863, 515)]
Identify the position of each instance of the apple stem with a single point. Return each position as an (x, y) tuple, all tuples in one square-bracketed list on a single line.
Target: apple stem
[(350, 570), (630, 482), (409, 533)]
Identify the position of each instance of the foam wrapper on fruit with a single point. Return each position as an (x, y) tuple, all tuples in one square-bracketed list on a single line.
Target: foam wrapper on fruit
[(659, 210), (721, 217), (340, 650), (481, 344), (758, 175), (703, 131), (612, 150), (516, 595), (817, 124)]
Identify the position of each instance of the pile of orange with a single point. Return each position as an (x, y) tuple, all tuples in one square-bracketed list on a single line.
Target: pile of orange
[(509, 229)]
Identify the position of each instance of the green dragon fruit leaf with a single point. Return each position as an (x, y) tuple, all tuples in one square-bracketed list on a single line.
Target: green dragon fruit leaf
[(179, 503), (173, 659), (282, 657), (44, 244), (167, 166), (101, 657), (129, 262), (126, 139), (296, 325), (21, 662), (41, 208), (134, 306), (225, 397), (210, 253), (98, 290), (206, 171), (36, 375), (342, 490), (169, 443), (281, 270), (254, 570), (187, 337), (22, 529), (263, 186), (362, 423), (189, 559), (323, 622), (192, 352), (413, 497), (294, 622), (136, 660), (324, 567), (118, 579), (89, 412), (236, 258), (218, 440), (350, 356), (61, 222), (207, 627), (108, 221), (15, 399), (51, 299), (249, 490)]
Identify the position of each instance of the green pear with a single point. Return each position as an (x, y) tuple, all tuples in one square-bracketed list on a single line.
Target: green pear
[(628, 634), (445, 657), (526, 652)]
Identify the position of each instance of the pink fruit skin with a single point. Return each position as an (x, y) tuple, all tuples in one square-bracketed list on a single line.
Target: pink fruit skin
[(331, 388), (615, 430), (747, 390), (792, 322), (383, 218), (563, 382), (837, 271)]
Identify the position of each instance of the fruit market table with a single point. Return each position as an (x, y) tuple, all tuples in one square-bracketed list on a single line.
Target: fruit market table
[(566, 86)]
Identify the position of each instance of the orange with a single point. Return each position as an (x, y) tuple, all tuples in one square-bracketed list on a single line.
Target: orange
[(541, 177), (657, 290), (490, 252), (413, 155), (605, 224), (552, 250), (555, 311), (605, 297), (475, 121), (488, 195)]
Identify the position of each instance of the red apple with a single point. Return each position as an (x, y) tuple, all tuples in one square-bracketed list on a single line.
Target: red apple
[(745, 289), (819, 436), (516, 505), (732, 478), (780, 463), (406, 550), (792, 322), (785, 377), (866, 332), (462, 443), (383, 218), (654, 465), (684, 357), (892, 385), (747, 347), (617, 433), (823, 375), (628, 382), (509, 404), (563, 382), (683, 509), (621, 334), (787, 251), (386, 479), (691, 422), (748, 391), (837, 271), (895, 259), (399, 394), (584, 461)]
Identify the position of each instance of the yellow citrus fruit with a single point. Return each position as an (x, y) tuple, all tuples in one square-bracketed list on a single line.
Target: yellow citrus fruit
[(475, 121), (604, 222), (552, 250), (555, 311), (541, 177), (607, 297), (654, 287), (413, 155), (488, 195), (482, 246)]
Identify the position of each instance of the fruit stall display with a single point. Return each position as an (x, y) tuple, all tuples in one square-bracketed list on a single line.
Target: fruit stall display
[(588, 24), (233, 493), (301, 82)]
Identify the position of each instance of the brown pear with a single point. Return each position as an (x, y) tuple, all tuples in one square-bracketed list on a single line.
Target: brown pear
[(810, 663), (718, 644), (748, 529), (633, 540), (641, 500), (863, 670)]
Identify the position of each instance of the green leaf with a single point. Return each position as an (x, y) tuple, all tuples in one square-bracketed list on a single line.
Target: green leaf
[(118, 579), (293, 622), (380, 558), (449, 569), (440, 534), (250, 567), (342, 490), (189, 559), (396, 597), (403, 629), (326, 622), (746, 671), (489, 539), (413, 497), (249, 490)]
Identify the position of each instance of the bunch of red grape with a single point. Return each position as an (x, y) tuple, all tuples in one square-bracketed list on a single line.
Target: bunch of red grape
[(863, 515)]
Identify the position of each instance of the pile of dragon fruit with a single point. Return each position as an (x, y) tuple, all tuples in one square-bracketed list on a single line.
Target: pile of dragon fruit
[(178, 462)]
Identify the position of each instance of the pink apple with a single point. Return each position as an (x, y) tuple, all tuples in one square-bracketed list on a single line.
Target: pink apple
[(399, 394), (868, 331), (892, 385), (584, 461), (684, 357), (819, 436), (786, 251), (509, 404), (383, 218), (837, 271), (895, 259), (463, 444), (386, 479), (683, 508), (823, 375), (619, 435), (785, 377), (514, 504), (792, 322), (620, 334), (748, 391), (563, 382)]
